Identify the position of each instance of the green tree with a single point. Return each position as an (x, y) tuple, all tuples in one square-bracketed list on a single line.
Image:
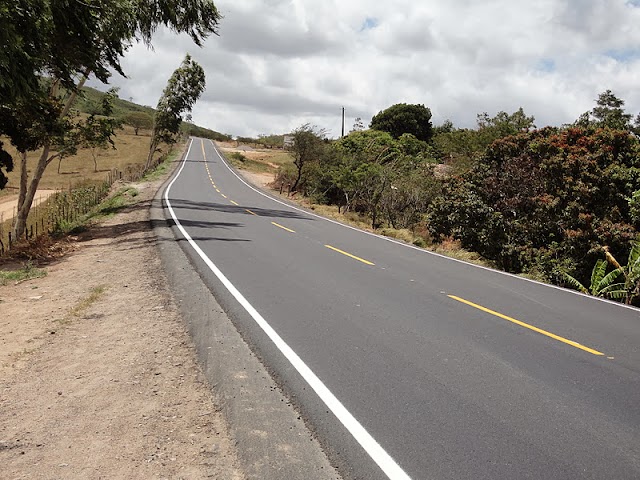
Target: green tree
[(52, 47), (608, 112), (139, 120), (94, 133), (544, 200), (358, 126), (183, 89), (308, 145), (404, 118)]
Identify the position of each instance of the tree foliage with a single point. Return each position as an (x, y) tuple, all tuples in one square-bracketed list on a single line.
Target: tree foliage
[(183, 89), (608, 112), (404, 118), (601, 282), (139, 120), (308, 146), (49, 49), (462, 147), (387, 180), (546, 200)]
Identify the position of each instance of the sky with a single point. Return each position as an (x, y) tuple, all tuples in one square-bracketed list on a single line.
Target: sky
[(279, 64)]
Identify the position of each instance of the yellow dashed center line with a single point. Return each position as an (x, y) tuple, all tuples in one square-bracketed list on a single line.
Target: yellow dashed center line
[(233, 202), (252, 213), (349, 255), (282, 227), (526, 325)]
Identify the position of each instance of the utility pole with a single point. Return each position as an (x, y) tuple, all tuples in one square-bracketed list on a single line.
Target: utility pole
[(342, 122)]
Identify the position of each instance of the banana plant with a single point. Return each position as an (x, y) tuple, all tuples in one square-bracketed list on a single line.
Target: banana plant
[(601, 282), (630, 289)]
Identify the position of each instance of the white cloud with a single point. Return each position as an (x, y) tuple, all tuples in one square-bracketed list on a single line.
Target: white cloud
[(278, 64)]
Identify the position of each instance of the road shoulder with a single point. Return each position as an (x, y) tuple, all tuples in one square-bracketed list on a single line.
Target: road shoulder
[(273, 441), (105, 383)]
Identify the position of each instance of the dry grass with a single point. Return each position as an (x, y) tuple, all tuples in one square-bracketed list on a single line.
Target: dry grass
[(94, 294), (420, 238), (257, 160), (452, 248), (130, 150), (265, 160)]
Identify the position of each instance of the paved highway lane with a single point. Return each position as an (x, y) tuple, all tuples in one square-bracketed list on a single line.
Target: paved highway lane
[(411, 365)]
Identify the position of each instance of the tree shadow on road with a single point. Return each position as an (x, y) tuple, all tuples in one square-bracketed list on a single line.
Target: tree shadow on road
[(178, 203)]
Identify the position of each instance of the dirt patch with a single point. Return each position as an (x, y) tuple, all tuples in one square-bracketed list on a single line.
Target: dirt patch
[(259, 179), (98, 377), (8, 204), (263, 156)]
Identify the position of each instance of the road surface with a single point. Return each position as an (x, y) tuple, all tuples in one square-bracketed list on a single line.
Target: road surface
[(408, 364)]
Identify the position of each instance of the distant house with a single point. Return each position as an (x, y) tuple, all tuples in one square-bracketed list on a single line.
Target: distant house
[(287, 141)]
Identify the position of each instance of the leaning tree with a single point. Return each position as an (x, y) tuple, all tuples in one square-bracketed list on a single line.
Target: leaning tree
[(183, 89), (52, 46)]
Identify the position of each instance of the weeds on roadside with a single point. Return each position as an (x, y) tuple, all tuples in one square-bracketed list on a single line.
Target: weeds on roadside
[(27, 272)]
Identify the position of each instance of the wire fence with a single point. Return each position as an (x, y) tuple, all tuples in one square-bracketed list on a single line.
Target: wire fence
[(64, 207)]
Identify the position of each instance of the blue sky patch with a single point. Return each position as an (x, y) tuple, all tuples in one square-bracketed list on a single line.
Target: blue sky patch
[(546, 65), (370, 23), (623, 55)]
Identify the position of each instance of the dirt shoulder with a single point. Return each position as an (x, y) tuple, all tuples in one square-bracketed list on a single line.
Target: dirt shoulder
[(98, 376), (9, 203)]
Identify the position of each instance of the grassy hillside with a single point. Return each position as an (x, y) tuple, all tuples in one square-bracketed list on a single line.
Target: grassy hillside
[(130, 150), (91, 102)]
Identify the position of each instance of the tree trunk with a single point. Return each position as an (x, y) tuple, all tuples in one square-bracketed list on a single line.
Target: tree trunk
[(29, 193), (295, 184), (22, 191), (152, 150)]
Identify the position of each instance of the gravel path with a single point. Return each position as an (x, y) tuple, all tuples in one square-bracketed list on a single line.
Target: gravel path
[(98, 376)]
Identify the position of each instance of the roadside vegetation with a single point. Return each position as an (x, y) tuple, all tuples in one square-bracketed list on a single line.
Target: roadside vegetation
[(51, 50), (26, 272), (545, 203)]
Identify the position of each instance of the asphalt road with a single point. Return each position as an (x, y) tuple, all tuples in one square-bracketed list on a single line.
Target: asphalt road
[(408, 364)]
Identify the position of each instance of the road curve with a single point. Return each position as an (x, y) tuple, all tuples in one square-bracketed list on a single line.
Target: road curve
[(408, 364)]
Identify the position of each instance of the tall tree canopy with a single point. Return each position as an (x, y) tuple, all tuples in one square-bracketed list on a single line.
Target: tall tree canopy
[(183, 89), (50, 47), (608, 112), (404, 118)]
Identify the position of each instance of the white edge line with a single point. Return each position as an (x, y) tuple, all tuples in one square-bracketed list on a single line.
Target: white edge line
[(370, 445), (428, 252)]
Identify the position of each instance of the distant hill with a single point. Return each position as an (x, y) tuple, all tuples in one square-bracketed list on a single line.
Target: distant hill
[(90, 102)]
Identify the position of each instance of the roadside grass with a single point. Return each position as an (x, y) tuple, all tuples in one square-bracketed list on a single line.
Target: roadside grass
[(420, 238), (451, 248), (257, 161), (164, 166), (105, 209), (84, 194), (27, 272), (240, 161), (279, 157), (94, 295), (78, 310), (131, 150)]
